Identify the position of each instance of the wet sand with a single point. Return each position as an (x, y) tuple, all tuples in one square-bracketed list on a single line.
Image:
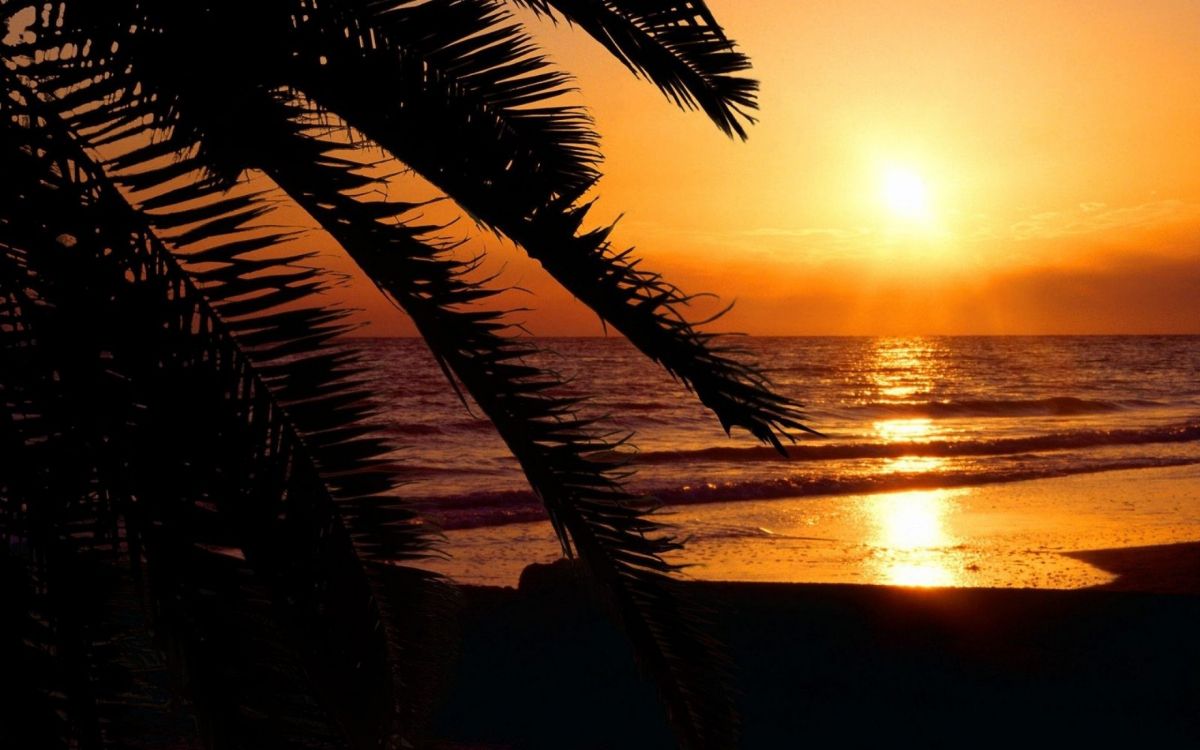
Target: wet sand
[(848, 665), (1032, 534), (1164, 569)]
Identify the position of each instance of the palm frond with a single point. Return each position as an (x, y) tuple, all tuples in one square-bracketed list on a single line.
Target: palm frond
[(62, 497), (547, 224), (459, 72), (561, 453), (651, 313), (281, 454), (677, 45), (264, 483)]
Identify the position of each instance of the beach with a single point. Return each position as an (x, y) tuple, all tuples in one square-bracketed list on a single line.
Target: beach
[(993, 541), (941, 461), (410, 376), (1075, 623), (847, 665)]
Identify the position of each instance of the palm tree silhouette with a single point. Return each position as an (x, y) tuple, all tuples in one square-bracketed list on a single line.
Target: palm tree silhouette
[(185, 430)]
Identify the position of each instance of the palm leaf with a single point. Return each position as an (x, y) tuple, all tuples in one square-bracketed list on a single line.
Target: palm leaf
[(546, 222), (677, 45), (472, 105), (286, 464), (464, 73), (98, 668), (595, 517)]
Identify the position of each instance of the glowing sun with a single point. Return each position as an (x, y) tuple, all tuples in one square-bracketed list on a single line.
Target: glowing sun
[(905, 195)]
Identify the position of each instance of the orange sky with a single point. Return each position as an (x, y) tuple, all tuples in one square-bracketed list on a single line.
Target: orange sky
[(1054, 147)]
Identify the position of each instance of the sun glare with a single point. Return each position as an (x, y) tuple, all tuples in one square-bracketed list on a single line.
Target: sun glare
[(905, 195), (912, 536)]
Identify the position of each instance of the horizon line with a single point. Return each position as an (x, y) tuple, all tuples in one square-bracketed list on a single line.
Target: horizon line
[(836, 335)]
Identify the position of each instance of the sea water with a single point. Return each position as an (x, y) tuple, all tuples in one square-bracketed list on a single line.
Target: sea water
[(913, 433)]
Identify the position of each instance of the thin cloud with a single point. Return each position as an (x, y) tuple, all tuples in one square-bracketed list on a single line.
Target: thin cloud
[(1092, 217), (810, 244)]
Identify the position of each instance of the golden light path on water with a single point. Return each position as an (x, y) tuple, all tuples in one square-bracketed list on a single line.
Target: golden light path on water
[(909, 529), (902, 368)]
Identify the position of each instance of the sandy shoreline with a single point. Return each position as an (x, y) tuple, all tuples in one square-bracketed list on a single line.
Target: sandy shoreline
[(1031, 534), (843, 665), (1113, 659), (1093, 642)]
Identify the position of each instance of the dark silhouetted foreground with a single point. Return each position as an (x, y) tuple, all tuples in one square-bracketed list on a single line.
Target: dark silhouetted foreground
[(831, 665)]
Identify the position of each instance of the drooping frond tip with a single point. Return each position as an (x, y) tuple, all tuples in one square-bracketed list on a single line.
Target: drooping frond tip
[(678, 46), (594, 516)]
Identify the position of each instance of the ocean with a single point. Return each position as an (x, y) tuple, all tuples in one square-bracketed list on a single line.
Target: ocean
[(899, 418)]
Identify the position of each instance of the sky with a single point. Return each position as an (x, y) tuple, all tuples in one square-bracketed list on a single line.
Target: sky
[(918, 168)]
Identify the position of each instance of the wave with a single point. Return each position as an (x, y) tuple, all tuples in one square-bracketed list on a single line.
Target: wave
[(806, 486), (1055, 406), (497, 508), (1181, 433), (711, 533)]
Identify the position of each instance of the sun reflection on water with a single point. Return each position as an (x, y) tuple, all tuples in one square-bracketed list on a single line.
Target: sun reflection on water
[(920, 574), (903, 430), (914, 465), (910, 536), (902, 369), (908, 431)]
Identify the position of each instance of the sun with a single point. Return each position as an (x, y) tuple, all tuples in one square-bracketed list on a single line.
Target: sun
[(905, 195)]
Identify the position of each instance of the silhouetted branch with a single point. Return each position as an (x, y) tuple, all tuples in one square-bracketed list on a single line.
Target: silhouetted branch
[(677, 45)]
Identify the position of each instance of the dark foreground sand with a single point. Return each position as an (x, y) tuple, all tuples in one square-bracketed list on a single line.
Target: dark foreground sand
[(838, 665)]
